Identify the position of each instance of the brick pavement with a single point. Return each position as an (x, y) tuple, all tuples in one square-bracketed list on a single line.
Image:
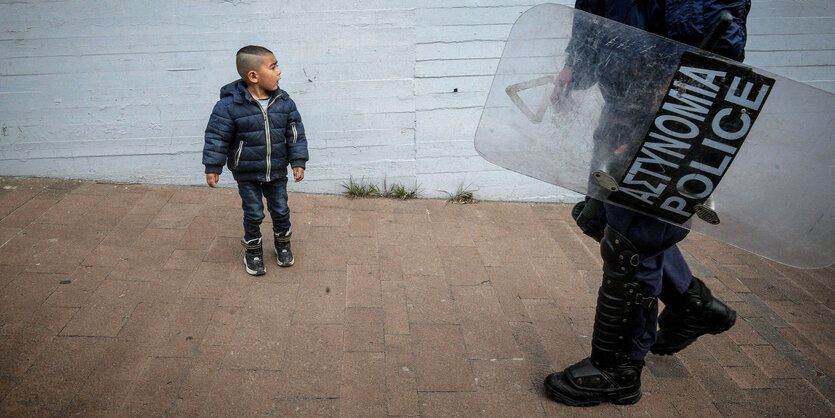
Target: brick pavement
[(131, 300)]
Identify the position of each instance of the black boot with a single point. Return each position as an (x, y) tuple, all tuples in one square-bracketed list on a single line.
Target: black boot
[(283, 254), (254, 257), (609, 375), (688, 316)]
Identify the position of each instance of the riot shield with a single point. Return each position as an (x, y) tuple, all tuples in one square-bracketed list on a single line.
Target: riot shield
[(730, 151)]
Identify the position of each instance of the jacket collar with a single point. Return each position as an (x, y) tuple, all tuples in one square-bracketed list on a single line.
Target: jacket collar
[(237, 89)]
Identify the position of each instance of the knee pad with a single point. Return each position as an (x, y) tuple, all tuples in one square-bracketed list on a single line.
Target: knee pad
[(620, 257)]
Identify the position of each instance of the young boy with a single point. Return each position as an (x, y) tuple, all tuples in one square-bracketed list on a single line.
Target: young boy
[(256, 130)]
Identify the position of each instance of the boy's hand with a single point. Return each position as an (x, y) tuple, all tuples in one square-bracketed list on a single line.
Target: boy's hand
[(211, 179), (298, 174)]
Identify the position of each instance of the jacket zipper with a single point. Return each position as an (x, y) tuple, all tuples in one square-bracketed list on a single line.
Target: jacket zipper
[(238, 154), (295, 133), (267, 130)]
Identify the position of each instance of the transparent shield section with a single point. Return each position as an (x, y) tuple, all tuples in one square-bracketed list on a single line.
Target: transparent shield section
[(775, 199)]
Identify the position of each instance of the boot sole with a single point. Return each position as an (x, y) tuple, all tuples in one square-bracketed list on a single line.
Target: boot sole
[(628, 399), (667, 351)]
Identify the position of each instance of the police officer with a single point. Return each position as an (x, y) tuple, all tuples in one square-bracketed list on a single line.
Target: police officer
[(641, 262)]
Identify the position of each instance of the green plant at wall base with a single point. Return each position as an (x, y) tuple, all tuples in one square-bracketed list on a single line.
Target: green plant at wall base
[(362, 188), (400, 191), (357, 189), (462, 196)]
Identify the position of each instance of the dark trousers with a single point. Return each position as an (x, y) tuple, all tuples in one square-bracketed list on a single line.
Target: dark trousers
[(252, 194), (660, 264)]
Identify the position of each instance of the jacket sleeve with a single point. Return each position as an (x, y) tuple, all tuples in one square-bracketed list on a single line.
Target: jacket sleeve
[(581, 52), (220, 131), (296, 139), (689, 22)]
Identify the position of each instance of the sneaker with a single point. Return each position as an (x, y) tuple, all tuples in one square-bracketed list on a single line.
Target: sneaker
[(254, 257), (283, 254)]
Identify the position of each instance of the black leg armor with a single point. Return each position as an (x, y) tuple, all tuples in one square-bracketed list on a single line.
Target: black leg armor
[(609, 374), (688, 316)]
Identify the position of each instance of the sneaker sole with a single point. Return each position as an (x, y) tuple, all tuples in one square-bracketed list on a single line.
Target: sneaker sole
[(253, 272)]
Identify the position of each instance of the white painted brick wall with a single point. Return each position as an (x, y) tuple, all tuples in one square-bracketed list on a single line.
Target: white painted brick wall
[(122, 90)]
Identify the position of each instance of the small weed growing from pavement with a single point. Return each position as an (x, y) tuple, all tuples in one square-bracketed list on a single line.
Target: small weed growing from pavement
[(363, 188), (462, 196), (400, 191)]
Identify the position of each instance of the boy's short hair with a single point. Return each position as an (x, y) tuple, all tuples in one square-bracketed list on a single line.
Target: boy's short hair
[(249, 58)]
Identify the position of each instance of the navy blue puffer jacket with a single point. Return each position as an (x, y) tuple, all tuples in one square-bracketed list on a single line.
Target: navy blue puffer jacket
[(255, 144)]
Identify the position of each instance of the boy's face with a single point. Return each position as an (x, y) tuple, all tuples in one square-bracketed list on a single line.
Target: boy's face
[(268, 74)]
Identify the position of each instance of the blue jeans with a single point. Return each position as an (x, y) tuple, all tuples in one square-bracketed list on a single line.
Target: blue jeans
[(251, 200)]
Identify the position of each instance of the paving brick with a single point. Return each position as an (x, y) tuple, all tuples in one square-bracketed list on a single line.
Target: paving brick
[(451, 234), (401, 386), (151, 202), (505, 388), (498, 252), (126, 232), (804, 397), (321, 298), (687, 395), (39, 397), (760, 402), (534, 351), (100, 398), (269, 304), (364, 329), (463, 266), (18, 353), (743, 334), (715, 379), (772, 363), (313, 362), (258, 348), (489, 340), (168, 286), (429, 300), (224, 250), (748, 377), (453, 404), (725, 350), (244, 393), (363, 392), (196, 390), (307, 408), (666, 366), (477, 303), (519, 279), (68, 359), (395, 314), (188, 260), (185, 328), (821, 361), (362, 224), (363, 287), (160, 237), (440, 360), (21, 298), (652, 404), (222, 326)]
